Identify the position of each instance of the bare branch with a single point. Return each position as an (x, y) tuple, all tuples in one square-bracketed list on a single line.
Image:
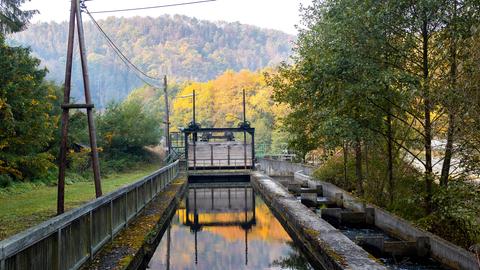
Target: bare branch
[(396, 117)]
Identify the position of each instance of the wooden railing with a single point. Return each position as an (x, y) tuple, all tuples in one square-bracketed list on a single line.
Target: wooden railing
[(69, 240)]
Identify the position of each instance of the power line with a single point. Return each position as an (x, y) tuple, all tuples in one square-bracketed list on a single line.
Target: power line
[(153, 7), (121, 55)]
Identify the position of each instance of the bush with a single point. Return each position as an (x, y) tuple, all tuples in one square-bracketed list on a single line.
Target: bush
[(456, 215), (5, 180), (79, 162), (127, 128), (407, 181), (332, 171)]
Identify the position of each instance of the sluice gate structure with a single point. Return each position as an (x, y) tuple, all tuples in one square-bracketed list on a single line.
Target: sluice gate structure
[(218, 149)]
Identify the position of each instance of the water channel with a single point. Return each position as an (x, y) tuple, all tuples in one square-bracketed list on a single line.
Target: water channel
[(225, 226), (356, 231)]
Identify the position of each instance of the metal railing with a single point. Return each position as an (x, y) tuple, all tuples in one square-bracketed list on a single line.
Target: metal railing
[(226, 163), (69, 240)]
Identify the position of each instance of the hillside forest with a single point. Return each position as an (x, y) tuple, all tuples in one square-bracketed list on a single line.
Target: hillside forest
[(183, 48)]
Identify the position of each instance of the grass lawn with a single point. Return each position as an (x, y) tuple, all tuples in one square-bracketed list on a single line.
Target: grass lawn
[(25, 205)]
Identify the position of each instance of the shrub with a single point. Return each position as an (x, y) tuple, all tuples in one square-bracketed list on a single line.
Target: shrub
[(5, 180), (456, 214)]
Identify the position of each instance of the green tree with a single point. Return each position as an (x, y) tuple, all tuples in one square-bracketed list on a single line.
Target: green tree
[(27, 115), (126, 128), (12, 18)]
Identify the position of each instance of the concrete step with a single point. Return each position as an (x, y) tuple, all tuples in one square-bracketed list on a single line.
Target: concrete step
[(400, 248)]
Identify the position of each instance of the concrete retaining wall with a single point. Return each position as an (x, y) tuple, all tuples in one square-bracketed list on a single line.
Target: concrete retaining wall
[(440, 249), (283, 168), (328, 247)]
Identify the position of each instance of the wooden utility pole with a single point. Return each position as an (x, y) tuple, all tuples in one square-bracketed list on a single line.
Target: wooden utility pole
[(167, 116), (76, 20)]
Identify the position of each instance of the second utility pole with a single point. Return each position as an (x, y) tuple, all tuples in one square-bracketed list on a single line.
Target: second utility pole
[(167, 116)]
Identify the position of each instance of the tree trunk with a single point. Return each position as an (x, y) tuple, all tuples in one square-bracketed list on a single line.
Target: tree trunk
[(366, 160), (448, 151), (451, 115), (345, 160), (427, 104), (358, 166), (391, 182)]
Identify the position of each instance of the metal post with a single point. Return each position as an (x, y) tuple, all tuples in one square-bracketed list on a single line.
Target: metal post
[(194, 111), (244, 134), (186, 151), (245, 149), (193, 101), (228, 155), (211, 154), (194, 154), (253, 149), (167, 116), (65, 112), (244, 108), (88, 100)]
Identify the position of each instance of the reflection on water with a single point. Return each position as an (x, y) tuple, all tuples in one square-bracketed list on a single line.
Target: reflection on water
[(225, 228)]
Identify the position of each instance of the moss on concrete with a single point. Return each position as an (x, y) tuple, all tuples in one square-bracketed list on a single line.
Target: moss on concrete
[(140, 232)]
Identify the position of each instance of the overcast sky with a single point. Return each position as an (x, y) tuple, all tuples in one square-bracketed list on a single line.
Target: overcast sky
[(275, 14)]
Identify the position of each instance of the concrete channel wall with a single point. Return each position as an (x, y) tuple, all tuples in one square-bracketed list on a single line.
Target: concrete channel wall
[(440, 249), (71, 239), (327, 246), (274, 167)]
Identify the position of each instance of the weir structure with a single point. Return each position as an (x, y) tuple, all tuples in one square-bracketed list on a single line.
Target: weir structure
[(218, 148), (391, 234)]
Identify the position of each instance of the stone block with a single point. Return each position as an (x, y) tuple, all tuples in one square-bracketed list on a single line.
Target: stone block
[(423, 246), (339, 199), (309, 199), (371, 242), (352, 217), (400, 248), (370, 216), (294, 188), (319, 189), (331, 213)]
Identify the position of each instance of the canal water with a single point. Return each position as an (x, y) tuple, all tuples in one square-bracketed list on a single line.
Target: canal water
[(225, 227)]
